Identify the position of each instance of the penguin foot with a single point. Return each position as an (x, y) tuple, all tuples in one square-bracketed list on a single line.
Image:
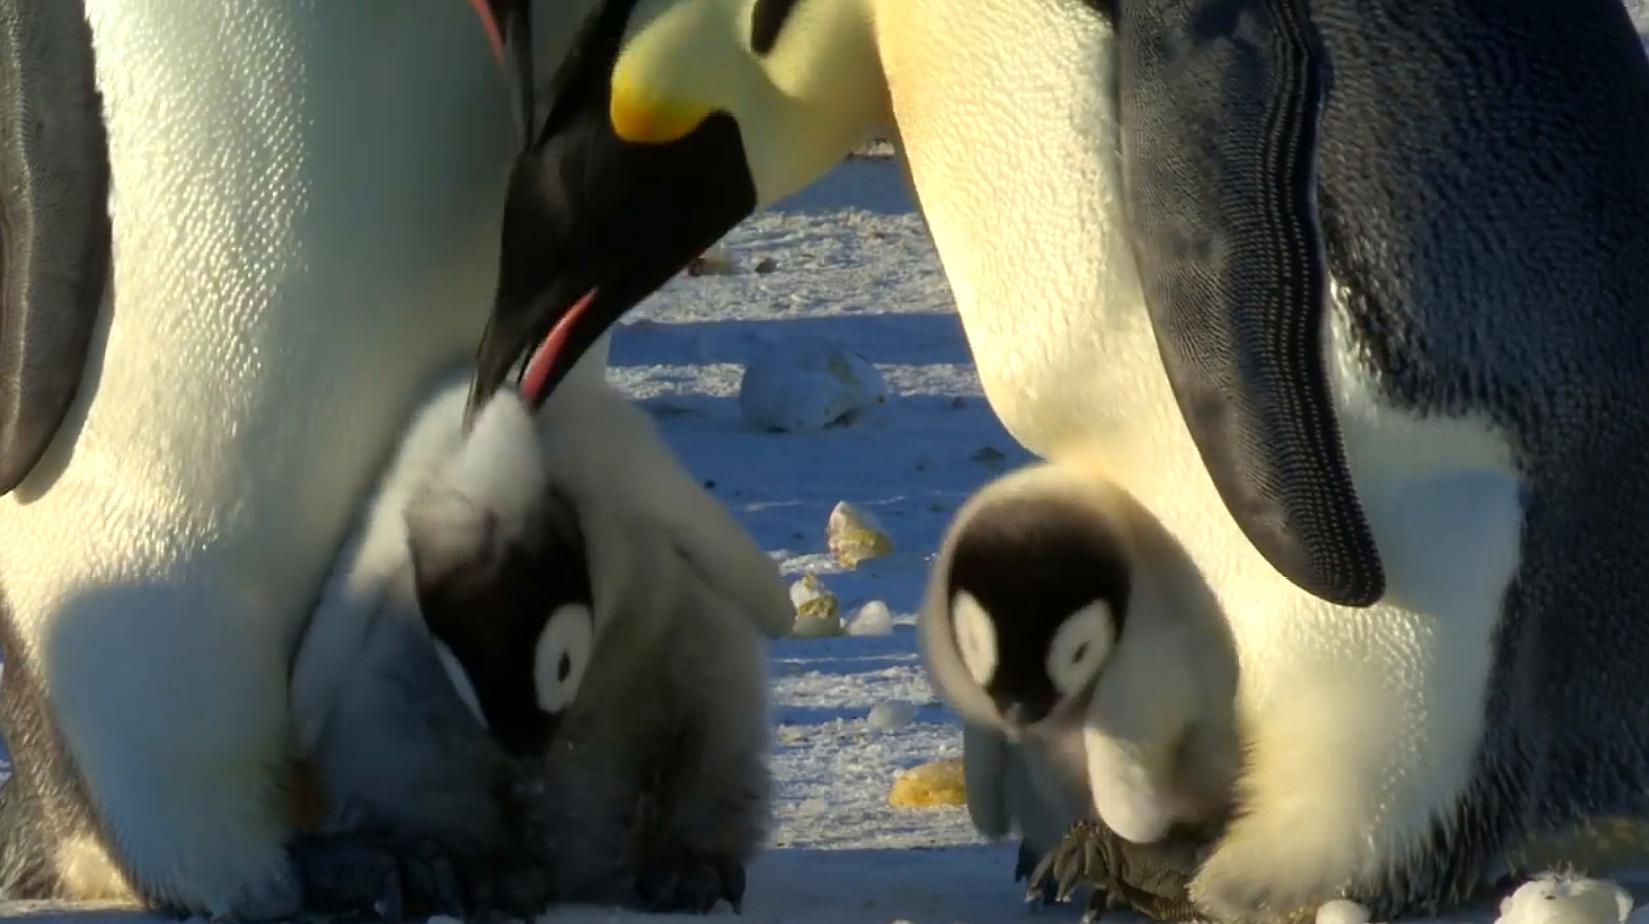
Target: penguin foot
[(1024, 867), (350, 874), (690, 884), (1149, 878), (379, 878)]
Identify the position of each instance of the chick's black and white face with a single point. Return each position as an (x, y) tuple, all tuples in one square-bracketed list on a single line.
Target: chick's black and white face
[(514, 613), (1038, 594), (566, 643)]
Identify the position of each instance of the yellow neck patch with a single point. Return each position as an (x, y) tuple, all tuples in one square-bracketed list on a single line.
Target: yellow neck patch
[(641, 120)]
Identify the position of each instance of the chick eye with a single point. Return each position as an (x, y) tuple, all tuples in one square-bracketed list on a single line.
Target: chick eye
[(975, 636), (562, 655), (1079, 647)]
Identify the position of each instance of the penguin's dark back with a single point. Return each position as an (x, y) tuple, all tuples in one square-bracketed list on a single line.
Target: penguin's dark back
[(1502, 143), (1484, 202)]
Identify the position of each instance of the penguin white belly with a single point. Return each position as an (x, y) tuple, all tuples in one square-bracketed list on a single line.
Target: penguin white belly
[(1363, 723), (305, 232)]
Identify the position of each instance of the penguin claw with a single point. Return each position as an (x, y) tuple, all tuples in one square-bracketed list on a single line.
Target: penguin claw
[(1037, 896), (345, 875), (385, 879), (426, 871), (1025, 862), (509, 888), (691, 885), (1025, 868), (1149, 878), (732, 885), (1043, 884)]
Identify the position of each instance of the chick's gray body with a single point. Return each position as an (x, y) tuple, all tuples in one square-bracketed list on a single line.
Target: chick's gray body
[(652, 786), (1149, 743), (656, 781)]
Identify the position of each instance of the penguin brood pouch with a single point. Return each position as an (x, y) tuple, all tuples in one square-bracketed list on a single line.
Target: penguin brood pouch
[(607, 617)]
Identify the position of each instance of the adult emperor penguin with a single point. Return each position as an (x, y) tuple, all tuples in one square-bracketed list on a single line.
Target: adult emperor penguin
[(1343, 291), (239, 240)]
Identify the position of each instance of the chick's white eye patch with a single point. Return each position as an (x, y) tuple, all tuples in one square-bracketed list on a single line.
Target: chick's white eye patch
[(975, 636), (1079, 647), (562, 655)]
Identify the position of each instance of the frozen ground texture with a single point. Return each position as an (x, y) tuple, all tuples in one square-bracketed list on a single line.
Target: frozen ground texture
[(851, 262)]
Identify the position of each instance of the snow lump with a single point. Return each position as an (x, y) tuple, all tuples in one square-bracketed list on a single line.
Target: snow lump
[(805, 384), (871, 619), (1553, 898)]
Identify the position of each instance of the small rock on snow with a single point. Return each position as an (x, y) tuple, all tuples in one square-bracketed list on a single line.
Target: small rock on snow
[(938, 783), (1342, 911), (815, 609), (1553, 898), (853, 535), (871, 619), (891, 716), (806, 384)]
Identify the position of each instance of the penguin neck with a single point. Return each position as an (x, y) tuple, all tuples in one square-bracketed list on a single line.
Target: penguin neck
[(825, 94)]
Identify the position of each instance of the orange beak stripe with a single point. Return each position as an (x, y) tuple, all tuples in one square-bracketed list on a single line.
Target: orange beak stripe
[(489, 24)]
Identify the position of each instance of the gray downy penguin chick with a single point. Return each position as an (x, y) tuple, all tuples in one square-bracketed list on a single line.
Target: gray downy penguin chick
[(1090, 664), (609, 615), (408, 778)]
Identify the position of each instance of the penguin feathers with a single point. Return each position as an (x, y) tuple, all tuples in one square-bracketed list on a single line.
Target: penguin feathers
[(602, 457), (610, 616), (1109, 681), (393, 745)]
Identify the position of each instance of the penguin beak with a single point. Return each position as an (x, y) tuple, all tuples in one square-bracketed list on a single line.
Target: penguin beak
[(1020, 713), (593, 224)]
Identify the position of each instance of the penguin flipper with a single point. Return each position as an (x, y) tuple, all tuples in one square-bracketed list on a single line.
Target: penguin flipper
[(55, 236), (1219, 108)]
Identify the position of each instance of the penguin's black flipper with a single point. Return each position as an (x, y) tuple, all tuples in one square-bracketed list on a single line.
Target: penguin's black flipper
[(54, 221), (1220, 101)]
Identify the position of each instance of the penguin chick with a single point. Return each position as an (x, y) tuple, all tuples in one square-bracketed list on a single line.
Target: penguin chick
[(409, 780), (609, 615), (1088, 658)]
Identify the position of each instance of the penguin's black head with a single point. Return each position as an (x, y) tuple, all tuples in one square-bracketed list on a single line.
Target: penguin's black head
[(512, 605), (670, 122), (1038, 596)]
